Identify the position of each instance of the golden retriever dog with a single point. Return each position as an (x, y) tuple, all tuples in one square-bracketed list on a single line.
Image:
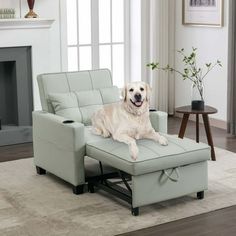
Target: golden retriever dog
[(128, 120)]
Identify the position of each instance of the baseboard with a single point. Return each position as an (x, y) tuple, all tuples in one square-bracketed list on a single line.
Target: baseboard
[(213, 122)]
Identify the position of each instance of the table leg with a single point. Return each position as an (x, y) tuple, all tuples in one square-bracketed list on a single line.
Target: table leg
[(183, 125), (197, 128), (209, 136)]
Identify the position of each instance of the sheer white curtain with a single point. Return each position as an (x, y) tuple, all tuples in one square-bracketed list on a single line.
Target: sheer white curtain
[(157, 32), (231, 104)]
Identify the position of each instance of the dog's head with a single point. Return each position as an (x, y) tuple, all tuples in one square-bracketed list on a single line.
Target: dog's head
[(136, 94)]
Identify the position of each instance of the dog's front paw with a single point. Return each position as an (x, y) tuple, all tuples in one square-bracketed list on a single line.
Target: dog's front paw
[(106, 134), (96, 131), (163, 141), (133, 151)]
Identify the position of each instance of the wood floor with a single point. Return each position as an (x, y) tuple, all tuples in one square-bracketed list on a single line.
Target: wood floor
[(217, 223), (15, 152)]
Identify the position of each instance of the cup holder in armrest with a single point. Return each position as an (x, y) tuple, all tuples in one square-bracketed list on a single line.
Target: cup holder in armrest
[(68, 122)]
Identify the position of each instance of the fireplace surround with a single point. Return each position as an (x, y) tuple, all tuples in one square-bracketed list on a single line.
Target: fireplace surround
[(16, 95)]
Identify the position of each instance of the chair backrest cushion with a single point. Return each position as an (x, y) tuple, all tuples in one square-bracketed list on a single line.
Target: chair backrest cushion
[(76, 95), (66, 105), (71, 81), (89, 102)]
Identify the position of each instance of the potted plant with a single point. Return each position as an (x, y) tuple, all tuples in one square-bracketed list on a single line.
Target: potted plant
[(193, 73)]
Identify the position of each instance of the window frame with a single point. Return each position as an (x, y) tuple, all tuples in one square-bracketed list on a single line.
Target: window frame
[(95, 37)]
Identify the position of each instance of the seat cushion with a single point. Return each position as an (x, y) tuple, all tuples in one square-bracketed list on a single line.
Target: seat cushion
[(152, 156)]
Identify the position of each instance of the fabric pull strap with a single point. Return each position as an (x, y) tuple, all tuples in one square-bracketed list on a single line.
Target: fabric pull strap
[(176, 170)]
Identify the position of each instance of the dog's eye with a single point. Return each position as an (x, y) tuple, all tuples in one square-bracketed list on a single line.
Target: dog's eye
[(131, 90), (141, 89)]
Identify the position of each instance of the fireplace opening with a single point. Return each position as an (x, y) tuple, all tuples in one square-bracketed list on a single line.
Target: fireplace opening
[(16, 95), (8, 93)]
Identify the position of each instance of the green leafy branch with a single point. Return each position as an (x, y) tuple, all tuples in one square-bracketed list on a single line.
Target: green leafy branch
[(190, 71)]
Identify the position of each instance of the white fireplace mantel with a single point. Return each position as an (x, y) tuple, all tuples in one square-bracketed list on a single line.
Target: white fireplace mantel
[(24, 23), (41, 34)]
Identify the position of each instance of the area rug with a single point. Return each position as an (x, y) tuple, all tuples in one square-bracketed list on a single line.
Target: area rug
[(44, 205)]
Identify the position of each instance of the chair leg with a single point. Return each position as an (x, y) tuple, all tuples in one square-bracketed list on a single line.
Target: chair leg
[(78, 189), (91, 188), (40, 171), (135, 211), (200, 195)]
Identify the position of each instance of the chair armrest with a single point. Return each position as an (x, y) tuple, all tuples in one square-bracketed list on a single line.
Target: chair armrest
[(50, 127), (159, 121), (59, 148)]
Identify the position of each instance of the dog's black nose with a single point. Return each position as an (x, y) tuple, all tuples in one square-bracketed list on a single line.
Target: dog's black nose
[(138, 97)]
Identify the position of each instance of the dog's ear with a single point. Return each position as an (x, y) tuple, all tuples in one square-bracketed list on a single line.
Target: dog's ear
[(124, 93), (148, 92)]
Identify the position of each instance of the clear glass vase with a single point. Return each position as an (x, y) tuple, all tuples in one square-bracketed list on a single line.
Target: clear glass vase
[(197, 96)]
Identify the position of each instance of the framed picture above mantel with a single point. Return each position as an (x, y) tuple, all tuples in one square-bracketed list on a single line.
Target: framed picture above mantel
[(203, 13)]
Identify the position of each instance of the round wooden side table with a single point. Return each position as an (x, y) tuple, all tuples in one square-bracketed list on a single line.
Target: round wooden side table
[(186, 111)]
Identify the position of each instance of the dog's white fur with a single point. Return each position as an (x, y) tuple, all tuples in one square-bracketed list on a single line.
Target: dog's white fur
[(128, 120)]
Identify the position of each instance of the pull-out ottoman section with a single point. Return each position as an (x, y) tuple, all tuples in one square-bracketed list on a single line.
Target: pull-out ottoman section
[(160, 172)]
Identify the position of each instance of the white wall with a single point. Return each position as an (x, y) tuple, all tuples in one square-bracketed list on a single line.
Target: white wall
[(212, 44), (46, 48)]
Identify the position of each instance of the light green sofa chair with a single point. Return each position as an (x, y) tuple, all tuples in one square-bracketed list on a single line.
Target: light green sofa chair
[(68, 149)]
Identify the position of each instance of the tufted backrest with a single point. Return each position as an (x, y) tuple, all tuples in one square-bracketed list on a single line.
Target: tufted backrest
[(83, 92)]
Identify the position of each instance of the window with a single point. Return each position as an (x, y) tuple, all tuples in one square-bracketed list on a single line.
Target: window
[(97, 36)]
